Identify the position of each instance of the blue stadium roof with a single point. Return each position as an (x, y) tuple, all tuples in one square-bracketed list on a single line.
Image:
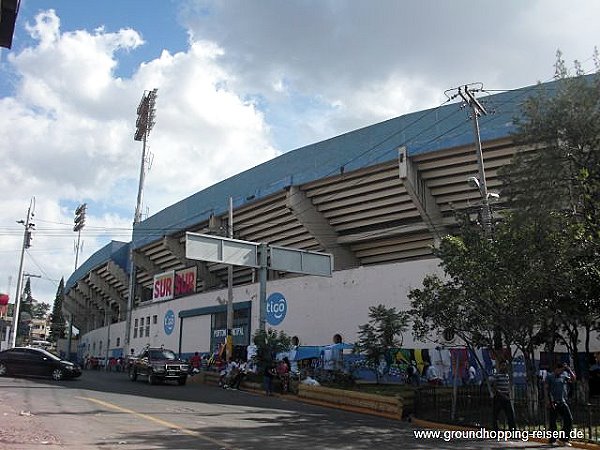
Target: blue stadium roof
[(421, 132), (115, 250)]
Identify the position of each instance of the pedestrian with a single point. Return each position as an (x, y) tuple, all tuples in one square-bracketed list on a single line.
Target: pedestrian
[(431, 375), (557, 384), (195, 362), (283, 372), (502, 400), (472, 375), (242, 371), (413, 374), (269, 374)]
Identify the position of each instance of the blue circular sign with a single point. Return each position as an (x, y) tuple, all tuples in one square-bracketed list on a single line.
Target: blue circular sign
[(169, 321), (276, 308)]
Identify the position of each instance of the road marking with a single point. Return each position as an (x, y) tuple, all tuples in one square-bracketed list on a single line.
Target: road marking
[(164, 423)]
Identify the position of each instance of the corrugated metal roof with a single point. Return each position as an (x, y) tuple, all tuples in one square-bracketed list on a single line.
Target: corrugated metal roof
[(115, 250), (421, 132)]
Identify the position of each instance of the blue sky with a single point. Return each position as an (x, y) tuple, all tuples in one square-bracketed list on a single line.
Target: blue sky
[(239, 82)]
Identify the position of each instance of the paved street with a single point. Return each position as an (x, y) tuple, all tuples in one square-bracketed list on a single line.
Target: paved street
[(107, 411)]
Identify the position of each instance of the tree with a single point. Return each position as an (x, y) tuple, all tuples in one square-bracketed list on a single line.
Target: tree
[(25, 312), (268, 344), (57, 320), (383, 332), (557, 190), (39, 310)]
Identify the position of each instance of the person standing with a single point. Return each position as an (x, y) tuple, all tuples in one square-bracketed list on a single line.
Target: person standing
[(269, 374), (557, 390), (502, 400)]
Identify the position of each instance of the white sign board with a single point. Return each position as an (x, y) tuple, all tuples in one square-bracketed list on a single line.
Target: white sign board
[(300, 261), (218, 249)]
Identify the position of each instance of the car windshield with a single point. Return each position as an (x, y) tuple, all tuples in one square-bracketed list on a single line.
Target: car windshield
[(162, 354)]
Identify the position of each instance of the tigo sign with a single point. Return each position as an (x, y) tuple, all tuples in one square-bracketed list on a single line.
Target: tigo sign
[(276, 308)]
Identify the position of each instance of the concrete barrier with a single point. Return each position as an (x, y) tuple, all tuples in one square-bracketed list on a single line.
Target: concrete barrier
[(385, 406)]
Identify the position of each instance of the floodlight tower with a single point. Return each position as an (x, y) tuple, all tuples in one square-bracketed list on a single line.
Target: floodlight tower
[(146, 112), (79, 223), (143, 125)]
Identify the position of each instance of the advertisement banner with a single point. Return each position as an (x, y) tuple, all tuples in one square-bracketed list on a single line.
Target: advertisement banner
[(185, 281), (173, 284), (164, 285)]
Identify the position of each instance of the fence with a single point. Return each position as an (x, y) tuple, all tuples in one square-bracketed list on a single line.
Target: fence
[(474, 408)]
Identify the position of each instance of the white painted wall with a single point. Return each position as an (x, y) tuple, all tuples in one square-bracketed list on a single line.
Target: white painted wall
[(317, 307), (92, 340)]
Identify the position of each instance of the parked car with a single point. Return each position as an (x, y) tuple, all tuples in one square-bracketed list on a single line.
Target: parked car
[(36, 362), (159, 364)]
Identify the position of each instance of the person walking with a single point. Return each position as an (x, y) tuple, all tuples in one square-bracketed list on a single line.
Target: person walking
[(502, 400), (557, 384)]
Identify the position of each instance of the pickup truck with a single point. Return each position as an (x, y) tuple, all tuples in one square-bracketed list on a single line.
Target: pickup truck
[(158, 364)]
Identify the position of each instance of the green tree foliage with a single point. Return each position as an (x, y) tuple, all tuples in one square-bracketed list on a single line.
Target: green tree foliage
[(383, 331), (25, 312), (555, 192), (536, 279), (39, 310), (57, 320), (268, 344)]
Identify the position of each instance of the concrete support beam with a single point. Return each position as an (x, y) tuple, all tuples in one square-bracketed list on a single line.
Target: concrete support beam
[(79, 314), (107, 290), (319, 227), (145, 263), (421, 195), (119, 274)]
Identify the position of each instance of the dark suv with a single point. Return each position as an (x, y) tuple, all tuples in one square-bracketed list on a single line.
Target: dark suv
[(159, 364)]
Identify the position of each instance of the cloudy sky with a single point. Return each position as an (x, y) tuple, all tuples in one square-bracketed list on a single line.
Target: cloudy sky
[(239, 82)]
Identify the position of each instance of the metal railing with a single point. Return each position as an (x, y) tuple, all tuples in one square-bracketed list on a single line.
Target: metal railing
[(473, 408)]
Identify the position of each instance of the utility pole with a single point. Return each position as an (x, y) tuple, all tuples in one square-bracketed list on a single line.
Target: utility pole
[(229, 334), (146, 112), (480, 182), (26, 244)]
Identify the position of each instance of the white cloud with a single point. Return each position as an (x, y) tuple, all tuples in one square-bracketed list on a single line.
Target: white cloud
[(67, 136)]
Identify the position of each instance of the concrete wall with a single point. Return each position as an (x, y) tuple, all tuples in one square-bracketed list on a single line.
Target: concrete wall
[(94, 343), (317, 308)]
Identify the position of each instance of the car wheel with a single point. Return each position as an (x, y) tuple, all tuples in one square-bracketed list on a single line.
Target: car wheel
[(3, 370), (181, 381), (151, 379), (57, 374), (133, 375)]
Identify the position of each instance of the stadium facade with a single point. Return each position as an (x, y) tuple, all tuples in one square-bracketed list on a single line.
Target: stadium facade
[(377, 199)]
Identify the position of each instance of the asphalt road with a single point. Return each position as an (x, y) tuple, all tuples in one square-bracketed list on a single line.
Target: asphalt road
[(107, 411)]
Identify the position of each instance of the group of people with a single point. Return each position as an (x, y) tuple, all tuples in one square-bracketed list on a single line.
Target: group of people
[(232, 373), (280, 370), (556, 388), (95, 363), (430, 374)]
